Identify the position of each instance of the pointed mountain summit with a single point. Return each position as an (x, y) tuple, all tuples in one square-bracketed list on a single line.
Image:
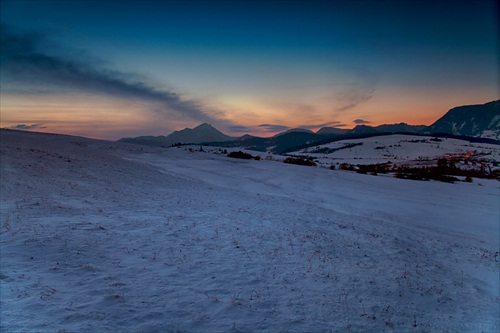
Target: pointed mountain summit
[(202, 133)]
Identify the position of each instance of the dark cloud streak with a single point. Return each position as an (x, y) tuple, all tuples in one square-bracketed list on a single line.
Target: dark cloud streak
[(330, 124), (240, 129), (357, 92), (26, 127), (259, 128), (273, 128), (360, 121), (22, 61)]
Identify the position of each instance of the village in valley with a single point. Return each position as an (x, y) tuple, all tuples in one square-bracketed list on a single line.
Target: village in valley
[(404, 156)]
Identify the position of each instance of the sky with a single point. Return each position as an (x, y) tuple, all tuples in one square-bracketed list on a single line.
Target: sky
[(113, 69)]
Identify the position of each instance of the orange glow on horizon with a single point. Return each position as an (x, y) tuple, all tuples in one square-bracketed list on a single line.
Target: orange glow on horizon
[(106, 118)]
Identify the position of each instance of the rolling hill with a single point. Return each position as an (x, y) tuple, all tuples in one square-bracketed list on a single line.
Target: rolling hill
[(100, 236)]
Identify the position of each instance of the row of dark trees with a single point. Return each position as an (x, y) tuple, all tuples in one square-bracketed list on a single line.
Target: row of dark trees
[(290, 160), (445, 171), (243, 155), (299, 161)]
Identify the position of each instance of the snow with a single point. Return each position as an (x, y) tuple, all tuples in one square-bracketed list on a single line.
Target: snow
[(100, 236), (397, 148)]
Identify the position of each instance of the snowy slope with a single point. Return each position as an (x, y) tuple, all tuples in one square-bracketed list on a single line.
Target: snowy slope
[(481, 120), (399, 149), (99, 236)]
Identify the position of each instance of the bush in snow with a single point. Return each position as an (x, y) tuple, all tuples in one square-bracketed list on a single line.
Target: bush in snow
[(240, 154), (299, 161)]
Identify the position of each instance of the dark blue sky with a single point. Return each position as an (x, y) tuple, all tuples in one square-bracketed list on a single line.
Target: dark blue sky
[(153, 66)]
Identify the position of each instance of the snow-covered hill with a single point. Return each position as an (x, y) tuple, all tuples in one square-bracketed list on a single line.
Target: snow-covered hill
[(482, 120), (102, 236), (398, 149)]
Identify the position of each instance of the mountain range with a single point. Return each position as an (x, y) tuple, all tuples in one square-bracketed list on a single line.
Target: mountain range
[(476, 121)]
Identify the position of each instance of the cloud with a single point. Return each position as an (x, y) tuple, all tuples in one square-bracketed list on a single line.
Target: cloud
[(360, 121), (329, 124), (23, 60), (26, 127), (240, 129), (357, 92), (273, 128), (259, 128)]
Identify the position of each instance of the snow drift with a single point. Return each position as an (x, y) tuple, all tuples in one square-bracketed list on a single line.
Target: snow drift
[(99, 236)]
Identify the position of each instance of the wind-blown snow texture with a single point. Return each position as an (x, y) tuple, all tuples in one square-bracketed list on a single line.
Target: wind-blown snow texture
[(99, 236)]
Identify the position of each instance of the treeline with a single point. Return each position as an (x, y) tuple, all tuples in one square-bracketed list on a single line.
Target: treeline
[(289, 160), (445, 171), (299, 161), (243, 155)]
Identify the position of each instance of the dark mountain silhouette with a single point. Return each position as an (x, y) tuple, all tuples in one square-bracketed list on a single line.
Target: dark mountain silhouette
[(281, 143), (401, 128), (286, 142), (200, 134), (247, 137), (294, 130), (388, 128), (332, 131), (363, 129), (482, 120), (479, 121)]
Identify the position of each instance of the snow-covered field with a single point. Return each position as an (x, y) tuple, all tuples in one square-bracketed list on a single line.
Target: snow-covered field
[(398, 149), (100, 236)]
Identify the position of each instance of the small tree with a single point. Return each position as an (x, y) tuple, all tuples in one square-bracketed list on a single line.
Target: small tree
[(240, 154), (442, 163)]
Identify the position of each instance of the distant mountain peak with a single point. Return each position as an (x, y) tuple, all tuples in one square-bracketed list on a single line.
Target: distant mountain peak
[(247, 137), (202, 126), (332, 131), (480, 120), (298, 129), (201, 133)]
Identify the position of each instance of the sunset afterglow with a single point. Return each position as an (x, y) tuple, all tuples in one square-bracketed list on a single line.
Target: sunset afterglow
[(108, 69)]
